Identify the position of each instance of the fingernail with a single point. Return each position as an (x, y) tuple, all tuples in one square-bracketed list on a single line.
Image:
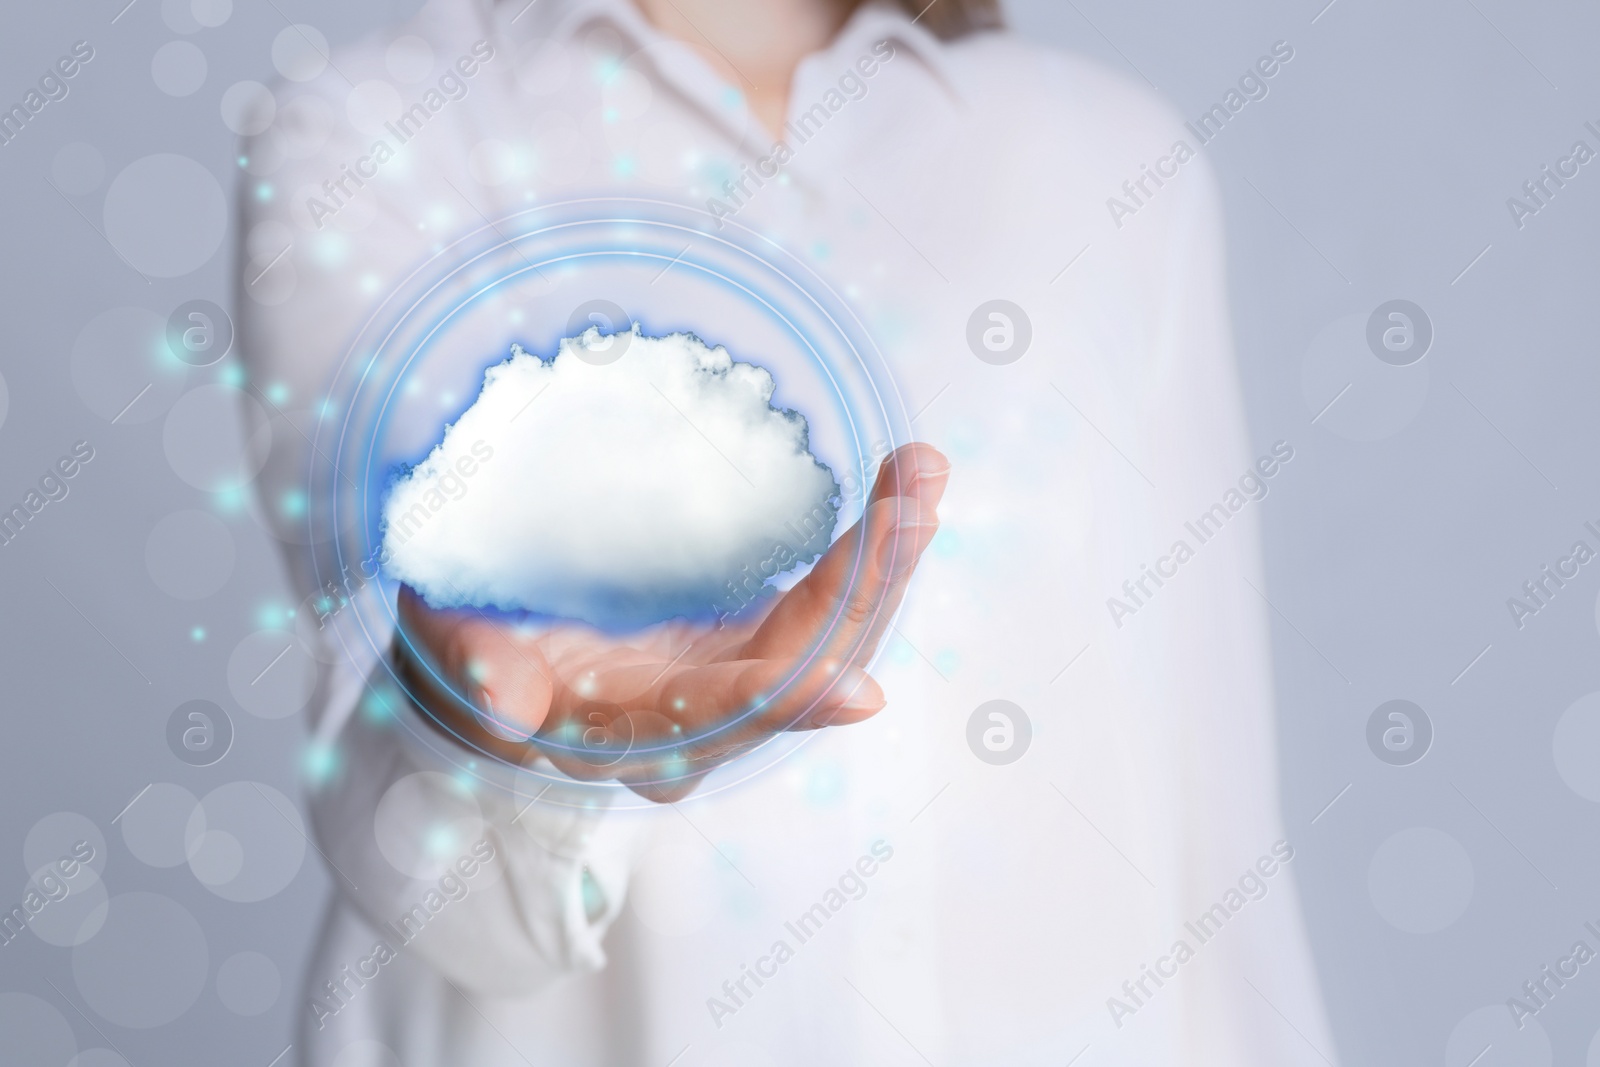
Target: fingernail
[(903, 545), (915, 486), (483, 711), (922, 467), (860, 694)]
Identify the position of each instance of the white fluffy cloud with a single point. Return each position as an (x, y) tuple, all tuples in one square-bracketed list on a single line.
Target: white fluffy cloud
[(661, 484)]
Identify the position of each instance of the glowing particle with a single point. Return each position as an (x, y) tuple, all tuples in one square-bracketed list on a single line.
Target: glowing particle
[(271, 616), (320, 761), (375, 707), (439, 840), (229, 501)]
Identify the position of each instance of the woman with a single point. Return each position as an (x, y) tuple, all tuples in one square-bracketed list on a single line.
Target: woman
[(1095, 868)]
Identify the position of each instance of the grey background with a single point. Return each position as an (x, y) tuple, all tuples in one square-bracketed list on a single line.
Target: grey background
[(1377, 168)]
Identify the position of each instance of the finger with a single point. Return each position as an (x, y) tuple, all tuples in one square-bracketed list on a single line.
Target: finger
[(731, 703), (470, 664), (670, 791), (627, 677), (596, 740), (916, 470), (868, 566), (833, 610), (724, 710), (606, 703), (920, 472), (706, 714)]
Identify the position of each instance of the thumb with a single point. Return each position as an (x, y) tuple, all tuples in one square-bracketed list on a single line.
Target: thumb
[(465, 662), (506, 679)]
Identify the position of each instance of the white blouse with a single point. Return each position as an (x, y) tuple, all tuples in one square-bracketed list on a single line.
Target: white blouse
[(889, 893)]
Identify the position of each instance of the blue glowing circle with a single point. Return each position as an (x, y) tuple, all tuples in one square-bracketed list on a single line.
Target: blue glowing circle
[(418, 362)]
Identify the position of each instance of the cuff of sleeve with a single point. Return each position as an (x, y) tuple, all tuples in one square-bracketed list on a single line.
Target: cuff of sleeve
[(568, 850)]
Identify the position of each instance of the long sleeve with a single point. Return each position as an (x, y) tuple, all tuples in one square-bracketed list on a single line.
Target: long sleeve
[(392, 809), (403, 826)]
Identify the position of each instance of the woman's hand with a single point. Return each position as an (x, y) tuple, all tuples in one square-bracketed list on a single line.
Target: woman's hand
[(661, 709)]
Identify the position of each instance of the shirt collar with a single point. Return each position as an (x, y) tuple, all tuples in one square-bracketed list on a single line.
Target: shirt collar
[(880, 20), (563, 20)]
